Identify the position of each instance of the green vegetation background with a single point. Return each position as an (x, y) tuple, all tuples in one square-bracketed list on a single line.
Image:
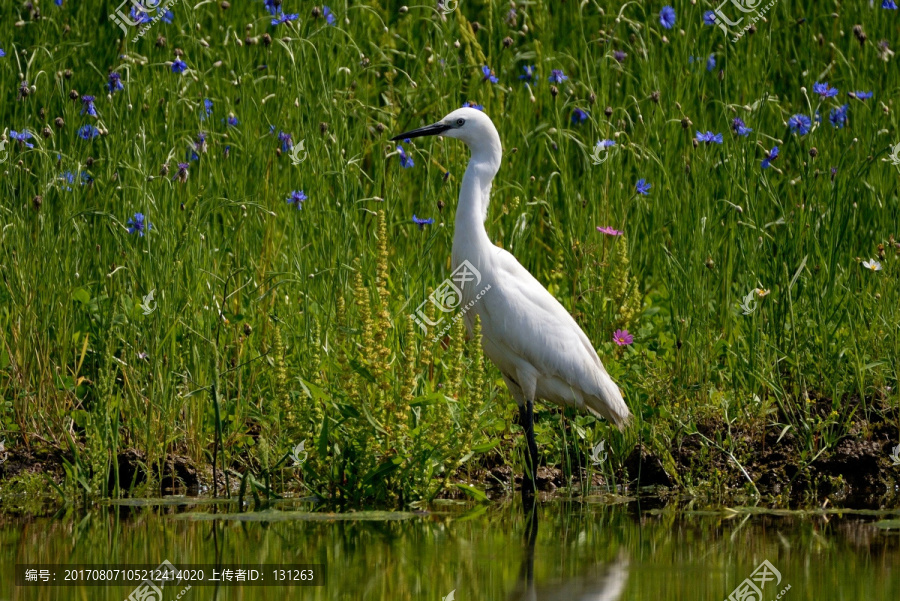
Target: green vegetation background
[(275, 326)]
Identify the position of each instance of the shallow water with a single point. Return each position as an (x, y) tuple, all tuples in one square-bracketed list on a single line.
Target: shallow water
[(576, 551)]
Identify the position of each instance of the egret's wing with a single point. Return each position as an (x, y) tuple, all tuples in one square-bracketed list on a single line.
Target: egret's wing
[(523, 317), (532, 322)]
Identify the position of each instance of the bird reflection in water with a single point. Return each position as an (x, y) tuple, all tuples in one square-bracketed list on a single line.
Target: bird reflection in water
[(602, 582)]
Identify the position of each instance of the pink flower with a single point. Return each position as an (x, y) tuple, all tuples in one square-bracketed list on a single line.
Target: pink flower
[(608, 231), (622, 337)]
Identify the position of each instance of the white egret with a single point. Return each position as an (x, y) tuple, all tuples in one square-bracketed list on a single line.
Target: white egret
[(540, 350)]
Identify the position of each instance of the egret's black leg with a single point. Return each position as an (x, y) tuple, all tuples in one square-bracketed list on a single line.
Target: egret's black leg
[(526, 416)]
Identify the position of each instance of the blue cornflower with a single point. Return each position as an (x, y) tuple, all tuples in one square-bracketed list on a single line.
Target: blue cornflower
[(861, 95), (579, 116), (471, 105), (200, 144), (619, 56), (800, 124), (191, 156), (557, 76), (283, 17), (21, 137), (709, 137), (58, 2), (67, 178), (667, 17), (182, 173), (739, 127), (115, 83), (272, 6), (488, 74), (711, 62), (296, 198), (823, 90), (138, 224), (167, 16), (232, 121), (889, 4), (422, 222), (286, 141), (838, 116), (139, 16), (87, 105), (606, 143), (86, 178), (770, 156), (207, 108), (329, 16), (642, 187), (405, 160), (2, 52), (179, 66), (529, 73), (88, 132), (709, 18)]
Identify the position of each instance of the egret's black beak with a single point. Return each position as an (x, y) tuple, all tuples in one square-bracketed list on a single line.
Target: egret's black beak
[(429, 130)]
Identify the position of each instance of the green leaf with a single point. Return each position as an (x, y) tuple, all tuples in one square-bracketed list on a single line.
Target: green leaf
[(384, 469), (798, 272), (362, 370), (374, 423), (81, 295), (81, 418), (783, 432), (485, 446), (314, 391), (348, 411), (323, 440), (430, 399), (473, 492)]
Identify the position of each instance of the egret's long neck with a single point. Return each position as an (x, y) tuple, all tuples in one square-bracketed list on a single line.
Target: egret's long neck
[(470, 240)]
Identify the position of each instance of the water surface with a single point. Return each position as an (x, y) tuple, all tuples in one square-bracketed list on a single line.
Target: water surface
[(572, 551)]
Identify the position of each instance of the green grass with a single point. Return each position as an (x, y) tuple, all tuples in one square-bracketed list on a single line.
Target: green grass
[(386, 415)]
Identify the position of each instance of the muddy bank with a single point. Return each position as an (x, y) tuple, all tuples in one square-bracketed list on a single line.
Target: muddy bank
[(758, 462)]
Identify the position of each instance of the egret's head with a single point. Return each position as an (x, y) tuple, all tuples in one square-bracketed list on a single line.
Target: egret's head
[(467, 124)]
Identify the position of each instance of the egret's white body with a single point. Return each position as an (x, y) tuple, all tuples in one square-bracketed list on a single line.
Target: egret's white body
[(540, 350)]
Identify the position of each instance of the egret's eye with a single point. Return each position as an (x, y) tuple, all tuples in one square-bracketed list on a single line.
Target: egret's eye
[(459, 122)]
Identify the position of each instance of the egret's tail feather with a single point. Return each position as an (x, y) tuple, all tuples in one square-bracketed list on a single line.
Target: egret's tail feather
[(609, 403)]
